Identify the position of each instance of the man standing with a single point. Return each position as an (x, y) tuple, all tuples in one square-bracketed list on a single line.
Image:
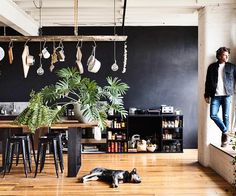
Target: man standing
[(219, 87)]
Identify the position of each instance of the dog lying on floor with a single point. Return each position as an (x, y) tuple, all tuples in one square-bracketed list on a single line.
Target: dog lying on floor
[(112, 176)]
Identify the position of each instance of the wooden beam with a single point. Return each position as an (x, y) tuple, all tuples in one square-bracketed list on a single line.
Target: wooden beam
[(64, 38), (16, 18)]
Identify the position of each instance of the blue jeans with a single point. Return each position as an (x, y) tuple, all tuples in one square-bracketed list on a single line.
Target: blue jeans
[(224, 102)]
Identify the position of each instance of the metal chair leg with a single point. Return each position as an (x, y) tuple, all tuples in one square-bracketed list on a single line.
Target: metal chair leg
[(60, 153), (55, 156), (43, 157), (38, 157), (24, 156)]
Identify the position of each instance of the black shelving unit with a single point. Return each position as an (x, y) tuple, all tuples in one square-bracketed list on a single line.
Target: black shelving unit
[(164, 130), (172, 133), (91, 145), (117, 135)]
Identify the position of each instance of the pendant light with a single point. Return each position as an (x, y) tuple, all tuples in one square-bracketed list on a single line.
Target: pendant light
[(114, 66)]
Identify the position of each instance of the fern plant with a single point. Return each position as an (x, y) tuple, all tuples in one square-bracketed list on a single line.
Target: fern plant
[(71, 88)]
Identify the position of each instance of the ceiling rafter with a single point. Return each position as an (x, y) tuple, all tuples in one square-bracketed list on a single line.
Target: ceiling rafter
[(100, 13), (19, 21)]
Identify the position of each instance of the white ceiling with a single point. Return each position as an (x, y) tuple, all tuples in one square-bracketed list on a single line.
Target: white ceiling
[(23, 16)]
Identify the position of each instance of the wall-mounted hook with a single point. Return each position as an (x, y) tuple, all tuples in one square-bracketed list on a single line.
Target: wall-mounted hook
[(61, 44), (44, 43), (95, 45), (10, 44), (27, 42), (79, 43)]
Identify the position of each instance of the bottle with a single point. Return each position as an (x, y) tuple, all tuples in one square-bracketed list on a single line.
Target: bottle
[(109, 135), (114, 123)]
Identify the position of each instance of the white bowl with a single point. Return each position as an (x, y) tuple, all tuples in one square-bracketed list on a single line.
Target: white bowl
[(151, 148)]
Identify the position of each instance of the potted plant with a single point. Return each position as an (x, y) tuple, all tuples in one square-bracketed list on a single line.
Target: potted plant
[(71, 88)]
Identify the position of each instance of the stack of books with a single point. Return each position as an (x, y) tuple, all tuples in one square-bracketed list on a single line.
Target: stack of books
[(90, 148)]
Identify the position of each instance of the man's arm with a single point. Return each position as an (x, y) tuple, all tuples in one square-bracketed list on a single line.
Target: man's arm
[(207, 86)]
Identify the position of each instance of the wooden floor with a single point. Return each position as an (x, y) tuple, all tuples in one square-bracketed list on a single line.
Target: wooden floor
[(162, 174)]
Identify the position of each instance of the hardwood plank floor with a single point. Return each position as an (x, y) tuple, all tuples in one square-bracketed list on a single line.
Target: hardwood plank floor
[(162, 174)]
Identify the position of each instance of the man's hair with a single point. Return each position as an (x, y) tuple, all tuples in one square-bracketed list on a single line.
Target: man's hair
[(221, 50)]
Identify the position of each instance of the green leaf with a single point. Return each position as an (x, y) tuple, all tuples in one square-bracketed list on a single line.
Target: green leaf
[(84, 91)]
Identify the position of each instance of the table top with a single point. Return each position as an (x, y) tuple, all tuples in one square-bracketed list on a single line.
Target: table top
[(63, 124)]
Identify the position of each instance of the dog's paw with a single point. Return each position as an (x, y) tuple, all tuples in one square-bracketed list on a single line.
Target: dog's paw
[(81, 180), (114, 185)]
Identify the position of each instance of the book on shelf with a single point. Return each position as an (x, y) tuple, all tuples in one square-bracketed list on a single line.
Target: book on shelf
[(132, 150), (92, 148)]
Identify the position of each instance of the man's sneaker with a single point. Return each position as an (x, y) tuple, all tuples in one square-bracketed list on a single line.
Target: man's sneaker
[(224, 139)]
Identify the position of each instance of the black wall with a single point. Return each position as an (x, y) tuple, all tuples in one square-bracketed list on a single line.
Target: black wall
[(161, 69)]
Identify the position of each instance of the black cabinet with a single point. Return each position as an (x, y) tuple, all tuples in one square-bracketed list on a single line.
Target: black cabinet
[(164, 130)]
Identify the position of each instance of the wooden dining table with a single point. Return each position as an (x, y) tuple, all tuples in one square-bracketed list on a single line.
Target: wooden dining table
[(74, 140)]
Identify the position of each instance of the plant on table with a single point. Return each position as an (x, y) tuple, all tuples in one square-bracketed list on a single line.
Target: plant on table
[(71, 88)]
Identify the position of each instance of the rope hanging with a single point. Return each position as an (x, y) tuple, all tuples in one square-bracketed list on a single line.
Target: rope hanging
[(76, 10)]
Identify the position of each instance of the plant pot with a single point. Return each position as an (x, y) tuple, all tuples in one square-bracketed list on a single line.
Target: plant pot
[(79, 113)]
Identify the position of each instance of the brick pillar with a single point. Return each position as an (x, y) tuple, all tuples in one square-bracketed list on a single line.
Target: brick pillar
[(216, 28)]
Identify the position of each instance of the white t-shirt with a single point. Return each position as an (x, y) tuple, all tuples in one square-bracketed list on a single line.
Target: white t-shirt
[(220, 89)]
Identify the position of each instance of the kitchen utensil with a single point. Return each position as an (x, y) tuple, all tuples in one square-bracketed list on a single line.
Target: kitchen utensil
[(10, 52), (80, 67), (45, 52), (40, 70), (114, 66), (30, 60), (133, 142), (78, 60), (2, 53), (93, 64), (141, 146), (27, 59), (151, 148), (78, 53), (60, 52), (53, 58)]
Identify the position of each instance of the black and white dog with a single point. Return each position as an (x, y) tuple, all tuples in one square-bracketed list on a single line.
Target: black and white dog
[(112, 176)]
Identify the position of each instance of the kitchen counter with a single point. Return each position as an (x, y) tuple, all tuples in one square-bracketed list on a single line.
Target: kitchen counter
[(74, 140)]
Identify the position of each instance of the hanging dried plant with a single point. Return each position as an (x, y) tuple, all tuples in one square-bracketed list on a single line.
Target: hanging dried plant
[(125, 57)]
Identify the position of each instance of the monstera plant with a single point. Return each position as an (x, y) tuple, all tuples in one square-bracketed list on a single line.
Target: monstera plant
[(71, 88)]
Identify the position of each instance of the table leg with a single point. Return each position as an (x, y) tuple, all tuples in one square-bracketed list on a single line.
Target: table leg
[(5, 133), (74, 151)]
